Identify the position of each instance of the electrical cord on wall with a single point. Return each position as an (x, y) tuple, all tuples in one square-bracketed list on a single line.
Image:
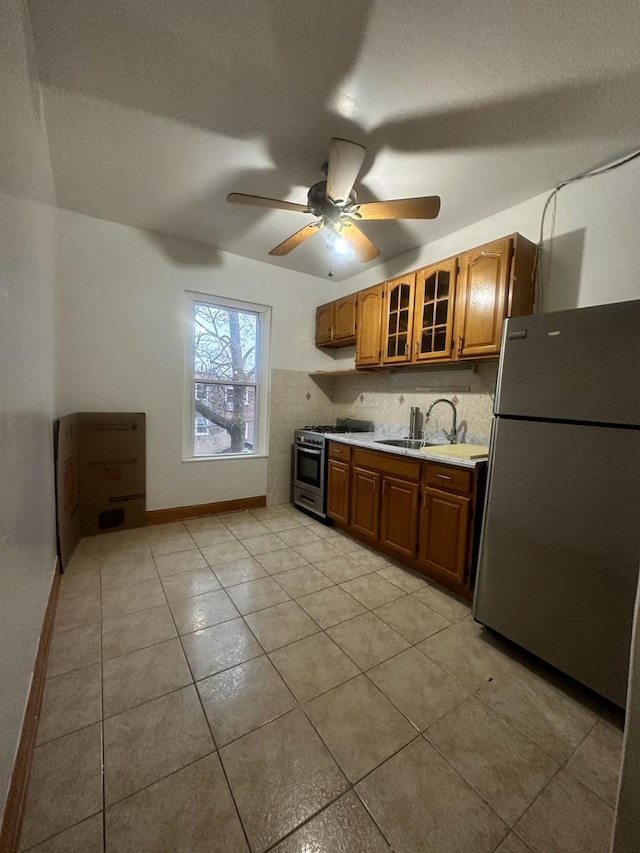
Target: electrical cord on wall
[(553, 197)]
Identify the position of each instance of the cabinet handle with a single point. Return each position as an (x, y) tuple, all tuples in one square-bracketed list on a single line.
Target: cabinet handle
[(384, 487), (460, 346), (416, 348), (406, 347), (443, 477)]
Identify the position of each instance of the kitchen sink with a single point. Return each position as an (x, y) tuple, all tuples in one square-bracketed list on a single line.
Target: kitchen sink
[(409, 443)]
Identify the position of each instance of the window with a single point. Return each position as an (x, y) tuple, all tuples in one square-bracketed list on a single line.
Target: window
[(227, 378)]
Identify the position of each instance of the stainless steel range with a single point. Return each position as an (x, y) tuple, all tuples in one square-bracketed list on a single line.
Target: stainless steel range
[(310, 463)]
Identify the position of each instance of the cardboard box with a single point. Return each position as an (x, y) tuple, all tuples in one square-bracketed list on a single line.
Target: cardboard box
[(100, 462)]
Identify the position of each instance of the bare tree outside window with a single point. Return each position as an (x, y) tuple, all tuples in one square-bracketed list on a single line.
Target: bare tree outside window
[(226, 342)]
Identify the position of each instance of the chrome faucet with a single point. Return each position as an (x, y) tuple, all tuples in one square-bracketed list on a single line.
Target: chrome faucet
[(453, 435)]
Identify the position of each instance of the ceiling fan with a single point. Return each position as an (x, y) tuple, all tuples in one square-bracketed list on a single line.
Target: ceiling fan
[(335, 204)]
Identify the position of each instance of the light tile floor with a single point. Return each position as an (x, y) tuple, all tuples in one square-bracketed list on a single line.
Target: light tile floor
[(259, 681)]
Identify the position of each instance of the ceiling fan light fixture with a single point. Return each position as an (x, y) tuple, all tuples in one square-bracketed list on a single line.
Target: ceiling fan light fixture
[(337, 245)]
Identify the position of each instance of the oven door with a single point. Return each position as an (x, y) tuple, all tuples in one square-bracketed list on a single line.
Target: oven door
[(309, 469)]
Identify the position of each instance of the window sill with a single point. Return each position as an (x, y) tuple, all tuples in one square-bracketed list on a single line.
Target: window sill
[(226, 458)]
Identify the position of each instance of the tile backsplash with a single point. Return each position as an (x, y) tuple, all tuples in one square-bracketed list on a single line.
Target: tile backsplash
[(382, 397), (386, 398), (296, 400)]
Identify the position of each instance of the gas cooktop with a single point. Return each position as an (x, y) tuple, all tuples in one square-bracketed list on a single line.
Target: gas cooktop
[(341, 426), (325, 428)]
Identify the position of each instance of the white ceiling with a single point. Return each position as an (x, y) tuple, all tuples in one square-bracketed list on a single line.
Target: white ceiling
[(156, 109)]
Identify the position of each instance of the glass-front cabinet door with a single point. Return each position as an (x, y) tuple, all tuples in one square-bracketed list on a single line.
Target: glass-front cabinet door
[(398, 319), (433, 321)]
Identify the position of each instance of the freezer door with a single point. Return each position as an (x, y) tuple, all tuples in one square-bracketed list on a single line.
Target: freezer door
[(580, 365), (560, 546)]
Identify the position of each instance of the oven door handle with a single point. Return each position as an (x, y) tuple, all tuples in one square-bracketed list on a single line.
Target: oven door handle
[(310, 450)]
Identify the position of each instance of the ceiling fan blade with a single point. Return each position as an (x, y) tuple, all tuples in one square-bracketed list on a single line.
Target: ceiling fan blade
[(361, 244), (260, 201), (400, 208), (345, 160), (297, 238)]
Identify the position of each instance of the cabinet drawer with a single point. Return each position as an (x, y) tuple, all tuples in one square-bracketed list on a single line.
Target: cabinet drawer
[(387, 463), (448, 477), (339, 451)]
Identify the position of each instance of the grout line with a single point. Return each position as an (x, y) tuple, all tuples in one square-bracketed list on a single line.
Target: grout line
[(102, 750), (559, 762), (560, 769), (191, 684), (72, 732), (58, 834), (310, 818), (213, 739), (350, 786)]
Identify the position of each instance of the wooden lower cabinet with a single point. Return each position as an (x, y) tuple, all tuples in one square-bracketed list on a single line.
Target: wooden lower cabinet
[(399, 516), (444, 535), (365, 502), (426, 514), (339, 490)]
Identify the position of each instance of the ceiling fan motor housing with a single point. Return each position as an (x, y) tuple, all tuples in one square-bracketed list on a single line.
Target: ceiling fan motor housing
[(321, 205)]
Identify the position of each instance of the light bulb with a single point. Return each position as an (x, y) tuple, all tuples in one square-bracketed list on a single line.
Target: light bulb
[(340, 246)]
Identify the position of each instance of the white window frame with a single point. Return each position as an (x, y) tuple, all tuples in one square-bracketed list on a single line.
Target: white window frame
[(263, 376)]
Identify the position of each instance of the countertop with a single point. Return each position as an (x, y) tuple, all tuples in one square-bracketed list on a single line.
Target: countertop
[(368, 441)]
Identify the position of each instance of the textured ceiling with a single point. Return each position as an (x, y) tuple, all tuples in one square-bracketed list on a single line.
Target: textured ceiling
[(156, 109)]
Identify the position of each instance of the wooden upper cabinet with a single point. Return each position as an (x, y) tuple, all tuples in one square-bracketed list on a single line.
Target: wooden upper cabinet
[(450, 310), (399, 516), (344, 319), (434, 311), (484, 281), (336, 322), (496, 281), (368, 322), (324, 324), (397, 319)]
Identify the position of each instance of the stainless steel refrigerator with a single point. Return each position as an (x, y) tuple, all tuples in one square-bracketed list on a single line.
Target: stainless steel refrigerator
[(560, 546)]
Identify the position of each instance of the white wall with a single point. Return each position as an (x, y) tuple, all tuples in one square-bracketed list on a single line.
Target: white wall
[(595, 253), (27, 293), (120, 318), (121, 334)]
